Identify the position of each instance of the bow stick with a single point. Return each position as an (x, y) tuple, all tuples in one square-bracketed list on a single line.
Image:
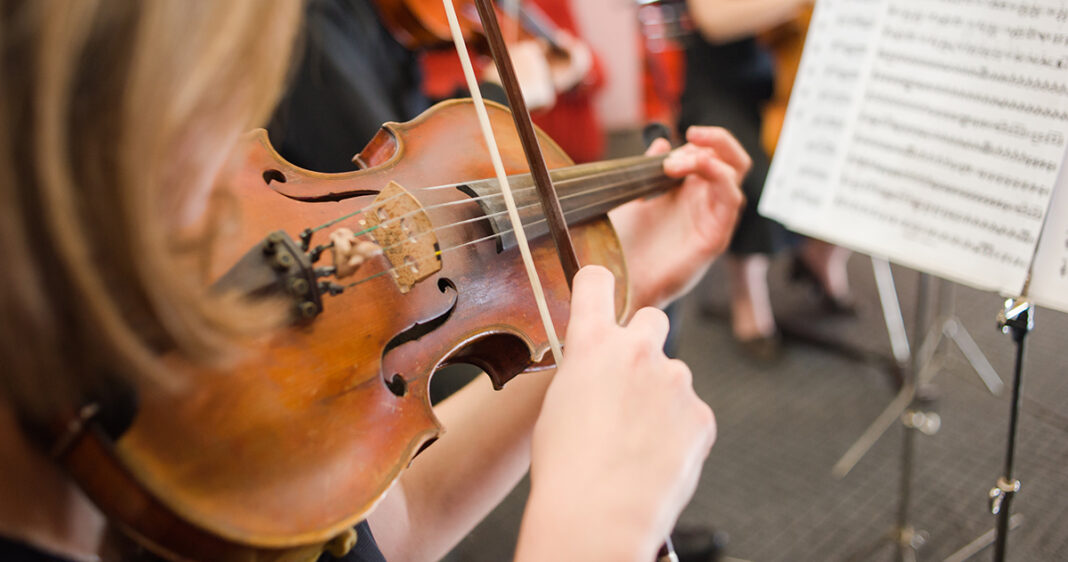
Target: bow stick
[(536, 162), (557, 224), (523, 124), (547, 193)]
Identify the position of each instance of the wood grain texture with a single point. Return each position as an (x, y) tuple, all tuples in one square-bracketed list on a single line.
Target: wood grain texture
[(302, 438)]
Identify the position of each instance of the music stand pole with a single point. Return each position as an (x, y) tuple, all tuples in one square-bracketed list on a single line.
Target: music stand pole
[(908, 539), (1017, 318)]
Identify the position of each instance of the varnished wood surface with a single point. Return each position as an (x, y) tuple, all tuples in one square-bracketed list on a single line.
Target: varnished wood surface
[(301, 439)]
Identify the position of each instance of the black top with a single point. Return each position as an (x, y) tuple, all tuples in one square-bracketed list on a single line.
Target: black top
[(352, 77), (727, 85), (741, 68), (366, 550)]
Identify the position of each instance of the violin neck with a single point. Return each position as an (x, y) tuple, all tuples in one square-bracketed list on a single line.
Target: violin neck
[(540, 25), (590, 190), (585, 191)]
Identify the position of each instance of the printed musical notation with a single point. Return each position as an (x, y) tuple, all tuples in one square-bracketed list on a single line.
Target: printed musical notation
[(930, 132), (1049, 274)]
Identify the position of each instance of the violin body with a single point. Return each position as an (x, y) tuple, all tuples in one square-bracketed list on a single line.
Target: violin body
[(295, 444), (419, 24), (422, 24)]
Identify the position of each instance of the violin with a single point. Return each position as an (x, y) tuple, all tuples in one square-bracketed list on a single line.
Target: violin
[(553, 61), (212, 471), (421, 24)]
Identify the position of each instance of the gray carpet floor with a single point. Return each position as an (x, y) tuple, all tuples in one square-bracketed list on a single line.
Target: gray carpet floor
[(768, 481)]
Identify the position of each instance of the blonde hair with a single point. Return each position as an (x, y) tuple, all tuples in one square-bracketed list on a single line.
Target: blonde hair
[(110, 112)]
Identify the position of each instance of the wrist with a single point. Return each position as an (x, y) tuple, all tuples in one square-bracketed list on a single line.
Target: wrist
[(559, 525)]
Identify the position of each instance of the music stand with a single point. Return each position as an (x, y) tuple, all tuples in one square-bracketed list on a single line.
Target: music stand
[(1017, 318), (913, 402)]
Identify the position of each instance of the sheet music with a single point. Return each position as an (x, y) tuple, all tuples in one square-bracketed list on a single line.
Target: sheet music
[(1049, 280), (930, 132)]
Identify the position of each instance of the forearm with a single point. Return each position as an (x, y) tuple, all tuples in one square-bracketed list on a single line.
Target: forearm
[(720, 21), (456, 482), (556, 528), (675, 277)]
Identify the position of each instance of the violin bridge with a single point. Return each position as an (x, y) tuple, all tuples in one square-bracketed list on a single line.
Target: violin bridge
[(404, 232)]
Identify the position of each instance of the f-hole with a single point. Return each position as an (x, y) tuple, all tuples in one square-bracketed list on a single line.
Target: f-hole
[(419, 329), (273, 175), (397, 385)]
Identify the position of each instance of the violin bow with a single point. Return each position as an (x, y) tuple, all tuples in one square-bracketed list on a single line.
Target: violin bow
[(550, 204), (525, 126), (538, 169)]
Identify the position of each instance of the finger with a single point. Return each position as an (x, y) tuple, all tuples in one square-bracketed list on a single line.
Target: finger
[(651, 321), (718, 176), (723, 142), (593, 297), (724, 179), (682, 376), (717, 209), (681, 161), (658, 146)]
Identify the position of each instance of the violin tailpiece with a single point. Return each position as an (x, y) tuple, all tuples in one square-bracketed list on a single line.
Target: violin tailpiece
[(276, 267)]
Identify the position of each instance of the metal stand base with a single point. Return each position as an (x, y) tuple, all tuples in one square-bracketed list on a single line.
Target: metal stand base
[(925, 367), (948, 326), (982, 541), (912, 403), (1017, 319), (907, 543)]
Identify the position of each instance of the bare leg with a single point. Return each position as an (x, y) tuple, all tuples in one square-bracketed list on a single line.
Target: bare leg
[(751, 314), (828, 263)]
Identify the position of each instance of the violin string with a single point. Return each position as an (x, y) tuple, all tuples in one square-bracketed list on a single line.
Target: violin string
[(347, 216), (367, 230), (594, 190), (356, 213), (559, 184), (535, 204), (353, 214), (440, 252)]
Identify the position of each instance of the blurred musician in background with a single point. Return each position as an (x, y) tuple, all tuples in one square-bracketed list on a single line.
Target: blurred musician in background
[(729, 79)]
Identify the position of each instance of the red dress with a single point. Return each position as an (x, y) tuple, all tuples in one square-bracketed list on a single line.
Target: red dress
[(571, 121)]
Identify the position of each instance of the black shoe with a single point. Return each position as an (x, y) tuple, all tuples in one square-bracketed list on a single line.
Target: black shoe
[(699, 544), (838, 306)]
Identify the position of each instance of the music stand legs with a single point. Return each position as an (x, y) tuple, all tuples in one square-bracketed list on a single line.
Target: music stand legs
[(911, 405)]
